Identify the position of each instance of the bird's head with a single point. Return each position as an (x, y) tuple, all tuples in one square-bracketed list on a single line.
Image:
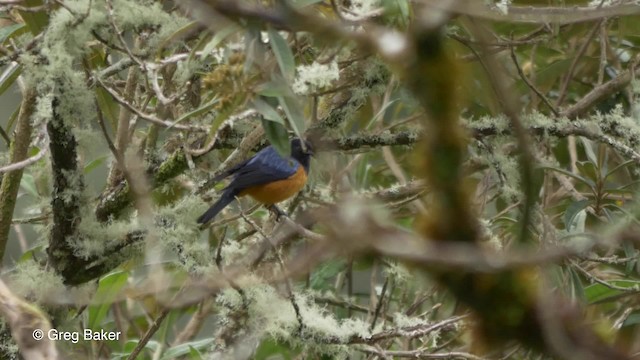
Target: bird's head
[(302, 150)]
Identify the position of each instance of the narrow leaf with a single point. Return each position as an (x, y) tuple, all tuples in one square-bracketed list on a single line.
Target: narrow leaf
[(277, 136), (9, 76), (294, 114), (218, 38), (35, 20), (267, 111), (572, 211), (201, 110), (283, 53), (12, 31), (108, 288), (109, 107), (586, 181)]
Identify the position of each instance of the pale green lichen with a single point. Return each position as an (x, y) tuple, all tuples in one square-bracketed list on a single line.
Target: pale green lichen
[(94, 237), (43, 287), (74, 189), (65, 43), (401, 320), (361, 9), (314, 77), (185, 70), (89, 141), (4, 158), (271, 313), (43, 110), (8, 348), (180, 234), (399, 272)]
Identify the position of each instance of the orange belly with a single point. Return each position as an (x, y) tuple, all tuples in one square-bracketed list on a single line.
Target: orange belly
[(278, 191)]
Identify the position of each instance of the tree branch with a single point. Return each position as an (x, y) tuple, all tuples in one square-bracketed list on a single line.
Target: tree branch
[(10, 182), (68, 185), (29, 326)]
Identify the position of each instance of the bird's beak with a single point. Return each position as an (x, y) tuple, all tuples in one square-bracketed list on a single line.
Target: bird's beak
[(308, 149)]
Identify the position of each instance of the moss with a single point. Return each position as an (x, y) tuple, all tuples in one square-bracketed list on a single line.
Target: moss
[(94, 237), (8, 348), (65, 43), (34, 283), (180, 234)]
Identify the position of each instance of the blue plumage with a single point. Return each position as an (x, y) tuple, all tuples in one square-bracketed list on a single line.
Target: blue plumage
[(265, 167)]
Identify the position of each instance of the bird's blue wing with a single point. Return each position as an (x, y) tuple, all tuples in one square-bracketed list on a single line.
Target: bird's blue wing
[(265, 167), (239, 166)]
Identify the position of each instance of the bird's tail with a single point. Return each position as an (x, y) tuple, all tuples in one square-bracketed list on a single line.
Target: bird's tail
[(226, 198)]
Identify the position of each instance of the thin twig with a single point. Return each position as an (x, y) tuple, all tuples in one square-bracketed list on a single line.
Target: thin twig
[(287, 281), (531, 86), (574, 62), (151, 118), (31, 160), (147, 336)]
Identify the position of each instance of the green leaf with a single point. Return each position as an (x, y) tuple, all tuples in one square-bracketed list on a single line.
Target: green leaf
[(577, 290), (276, 87), (299, 4), (322, 277), (9, 76), (28, 184), (108, 289), (30, 254), (589, 169), (380, 113), (586, 181), (35, 20), (294, 113), (283, 53), (12, 119), (270, 349), (93, 164), (621, 166), (12, 31), (572, 211), (110, 109), (130, 345), (219, 37), (187, 348), (194, 353), (277, 136), (633, 319), (588, 150), (201, 110), (362, 173), (176, 36), (222, 116), (629, 252), (267, 111), (599, 293)]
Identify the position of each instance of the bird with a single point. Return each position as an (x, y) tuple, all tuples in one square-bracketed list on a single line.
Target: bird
[(267, 177)]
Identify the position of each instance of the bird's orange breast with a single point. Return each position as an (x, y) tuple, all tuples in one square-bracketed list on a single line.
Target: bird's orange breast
[(277, 191)]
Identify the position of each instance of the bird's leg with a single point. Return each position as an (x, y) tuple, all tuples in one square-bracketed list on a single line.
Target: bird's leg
[(279, 212)]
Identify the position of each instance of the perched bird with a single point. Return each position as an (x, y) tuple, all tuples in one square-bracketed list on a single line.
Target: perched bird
[(266, 177)]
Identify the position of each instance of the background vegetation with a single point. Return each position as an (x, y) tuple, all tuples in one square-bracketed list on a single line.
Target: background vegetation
[(472, 194)]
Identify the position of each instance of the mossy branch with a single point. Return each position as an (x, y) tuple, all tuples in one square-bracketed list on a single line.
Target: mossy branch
[(430, 73), (513, 292), (27, 322), (68, 185), (10, 182)]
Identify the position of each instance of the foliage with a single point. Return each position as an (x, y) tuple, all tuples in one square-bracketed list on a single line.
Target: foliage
[(472, 194)]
